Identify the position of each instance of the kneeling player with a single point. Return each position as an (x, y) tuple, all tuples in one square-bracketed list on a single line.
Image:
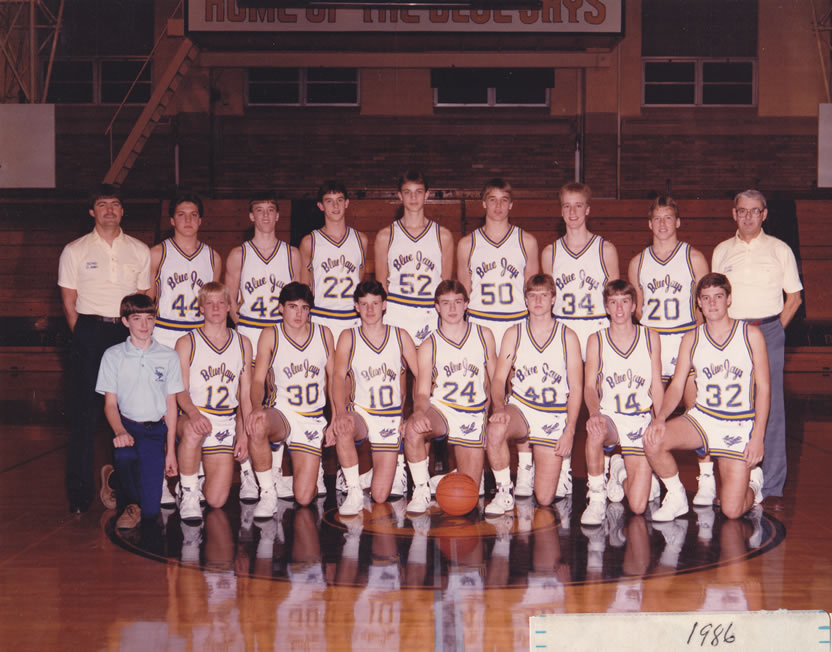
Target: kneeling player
[(456, 364), (294, 356), (369, 369), (542, 357), (216, 365), (623, 382), (732, 403)]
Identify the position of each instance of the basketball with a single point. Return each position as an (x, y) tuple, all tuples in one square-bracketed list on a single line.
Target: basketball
[(457, 494)]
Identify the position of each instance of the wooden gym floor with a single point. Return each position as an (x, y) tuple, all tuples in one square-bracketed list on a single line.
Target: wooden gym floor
[(309, 581)]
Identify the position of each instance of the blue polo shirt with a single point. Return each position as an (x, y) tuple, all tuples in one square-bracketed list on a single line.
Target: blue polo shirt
[(141, 380)]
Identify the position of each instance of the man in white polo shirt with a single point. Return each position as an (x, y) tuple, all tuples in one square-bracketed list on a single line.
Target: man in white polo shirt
[(762, 269), (95, 272)]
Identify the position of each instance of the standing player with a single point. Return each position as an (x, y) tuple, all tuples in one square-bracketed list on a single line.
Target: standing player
[(180, 266), (622, 389), (732, 403), (493, 264), (542, 359), (368, 386), (665, 277), (412, 256), (216, 367), (255, 273), (456, 364), (333, 261), (295, 357), (581, 263)]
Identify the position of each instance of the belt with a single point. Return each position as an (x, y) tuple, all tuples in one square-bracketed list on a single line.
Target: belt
[(106, 320), (760, 322), (146, 424)]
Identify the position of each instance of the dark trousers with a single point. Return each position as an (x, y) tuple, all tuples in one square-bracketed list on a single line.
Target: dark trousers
[(141, 467), (89, 341)]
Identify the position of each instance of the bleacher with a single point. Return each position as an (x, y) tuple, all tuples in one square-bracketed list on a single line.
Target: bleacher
[(34, 336)]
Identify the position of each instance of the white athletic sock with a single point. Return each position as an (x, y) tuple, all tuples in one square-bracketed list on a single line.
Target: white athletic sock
[(201, 473), (673, 484), (189, 481), (706, 468), (265, 480), (351, 475), (400, 459), (524, 458), (245, 465), (595, 482), (277, 460), (419, 472), (502, 477), (606, 464), (566, 465)]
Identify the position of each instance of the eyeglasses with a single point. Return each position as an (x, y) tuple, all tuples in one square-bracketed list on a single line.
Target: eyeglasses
[(755, 212)]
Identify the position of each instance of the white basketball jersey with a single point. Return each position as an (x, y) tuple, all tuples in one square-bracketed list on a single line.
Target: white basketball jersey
[(724, 373), (624, 377), (336, 268), (414, 265), (215, 372), (580, 277), (539, 377), (261, 280), (668, 289), (297, 381), (376, 373), (497, 276), (178, 282), (460, 376)]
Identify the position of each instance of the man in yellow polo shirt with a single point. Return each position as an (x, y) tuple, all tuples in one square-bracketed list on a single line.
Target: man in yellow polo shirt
[(762, 269), (95, 272)]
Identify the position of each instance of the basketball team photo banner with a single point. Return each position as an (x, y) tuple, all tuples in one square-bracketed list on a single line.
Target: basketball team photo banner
[(553, 16)]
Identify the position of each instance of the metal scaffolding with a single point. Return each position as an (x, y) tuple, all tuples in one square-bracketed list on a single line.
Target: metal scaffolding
[(29, 30)]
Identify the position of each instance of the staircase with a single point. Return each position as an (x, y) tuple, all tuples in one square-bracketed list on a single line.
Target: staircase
[(162, 96)]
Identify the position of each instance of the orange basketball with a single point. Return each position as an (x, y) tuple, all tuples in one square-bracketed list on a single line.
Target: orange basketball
[(457, 494)]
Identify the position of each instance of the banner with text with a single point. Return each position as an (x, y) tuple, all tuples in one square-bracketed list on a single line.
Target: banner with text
[(554, 16)]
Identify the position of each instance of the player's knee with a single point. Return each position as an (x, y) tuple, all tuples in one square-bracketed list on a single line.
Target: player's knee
[(380, 494), (731, 509), (495, 434), (304, 497), (544, 496), (637, 505), (257, 431), (216, 499), (189, 437)]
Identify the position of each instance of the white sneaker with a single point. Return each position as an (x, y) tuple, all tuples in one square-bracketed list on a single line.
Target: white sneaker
[(267, 504), (340, 482), (564, 482), (482, 484), (365, 480), (706, 491), (755, 481), (353, 504), (321, 483), (420, 501), (674, 533), (596, 509), (524, 486), (249, 491), (189, 509), (502, 503), (399, 482), (284, 484), (615, 488), (168, 499), (434, 482), (674, 505), (201, 479), (655, 488)]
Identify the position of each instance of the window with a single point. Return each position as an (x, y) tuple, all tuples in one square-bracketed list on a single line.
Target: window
[(303, 86), (705, 82), (98, 81), (502, 87)]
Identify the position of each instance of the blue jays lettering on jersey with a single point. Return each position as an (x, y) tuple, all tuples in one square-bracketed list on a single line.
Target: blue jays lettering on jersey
[(336, 268), (539, 379), (668, 289), (262, 277), (375, 373), (497, 276), (178, 281), (297, 378), (724, 373), (580, 277), (625, 377), (414, 265)]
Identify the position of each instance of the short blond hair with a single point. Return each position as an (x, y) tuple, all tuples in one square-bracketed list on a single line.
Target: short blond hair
[(214, 287)]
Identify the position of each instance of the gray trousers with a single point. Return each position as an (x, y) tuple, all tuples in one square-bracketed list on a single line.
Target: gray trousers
[(774, 462)]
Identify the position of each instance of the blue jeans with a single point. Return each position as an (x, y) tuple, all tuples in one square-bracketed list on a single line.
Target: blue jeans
[(140, 468), (774, 462)]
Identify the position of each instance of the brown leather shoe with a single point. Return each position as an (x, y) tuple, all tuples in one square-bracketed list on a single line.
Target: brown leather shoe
[(774, 503), (107, 493), (130, 517)]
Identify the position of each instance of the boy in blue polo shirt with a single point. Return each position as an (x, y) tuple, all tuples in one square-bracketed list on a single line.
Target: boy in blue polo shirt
[(140, 379)]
